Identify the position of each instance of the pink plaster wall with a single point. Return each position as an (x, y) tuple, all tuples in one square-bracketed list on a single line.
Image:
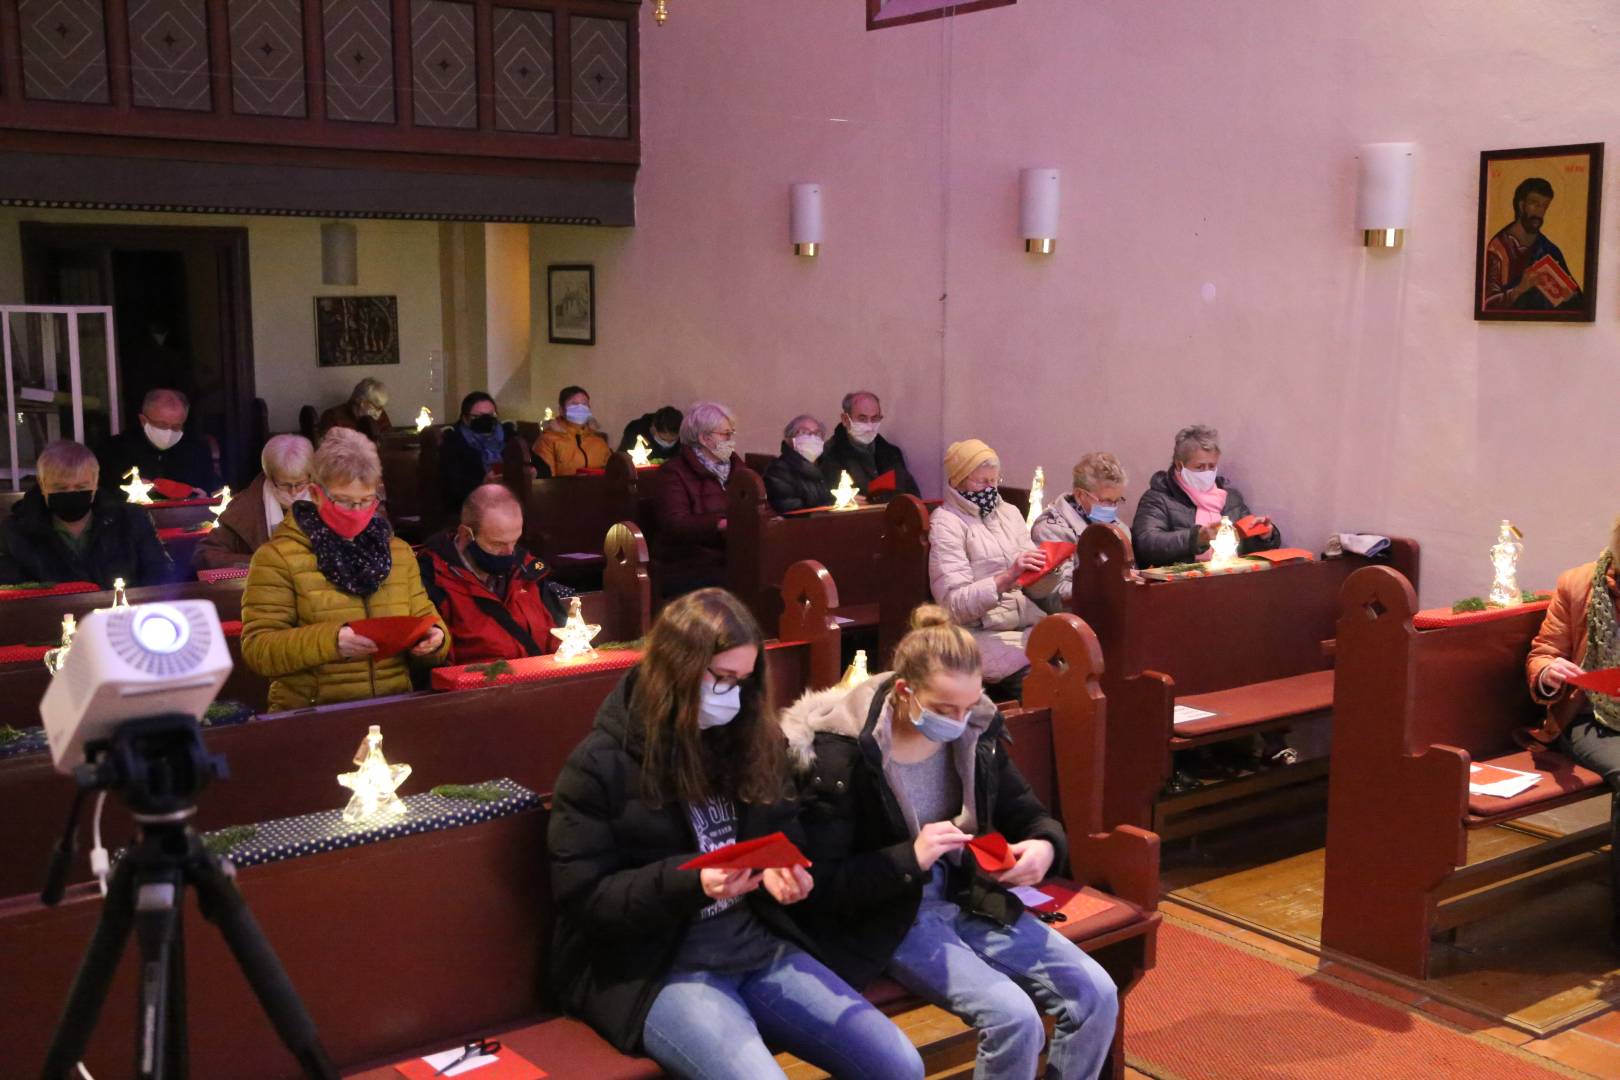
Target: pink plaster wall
[(1207, 149)]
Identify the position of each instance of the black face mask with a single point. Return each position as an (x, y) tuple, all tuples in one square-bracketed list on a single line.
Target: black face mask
[(483, 424), (70, 506), (495, 565)]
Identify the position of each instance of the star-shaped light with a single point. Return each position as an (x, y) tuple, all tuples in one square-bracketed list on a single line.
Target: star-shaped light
[(844, 494), (374, 782), (641, 453), (224, 497), (576, 635), (138, 490), (120, 599), (424, 420), (1037, 496), (1224, 547), (55, 658), (546, 419)]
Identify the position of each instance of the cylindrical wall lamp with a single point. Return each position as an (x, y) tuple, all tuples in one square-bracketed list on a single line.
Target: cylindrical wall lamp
[(1038, 210), (1384, 199), (804, 220), (340, 254)]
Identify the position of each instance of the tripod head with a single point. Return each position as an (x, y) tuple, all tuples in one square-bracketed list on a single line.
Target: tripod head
[(156, 765)]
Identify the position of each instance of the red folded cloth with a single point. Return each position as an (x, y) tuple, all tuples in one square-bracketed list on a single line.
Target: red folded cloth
[(885, 482), (773, 852), (991, 850), (1055, 551), (393, 633), (1282, 555), (1606, 681), (170, 489), (1251, 527)]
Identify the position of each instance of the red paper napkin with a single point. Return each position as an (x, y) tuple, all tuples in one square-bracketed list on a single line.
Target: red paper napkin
[(1055, 551), (1251, 527), (991, 850), (170, 489), (508, 1065), (393, 633), (1606, 681), (773, 852), (1282, 555), (886, 482)]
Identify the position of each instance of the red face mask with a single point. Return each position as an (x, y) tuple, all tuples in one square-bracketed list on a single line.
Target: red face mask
[(343, 521)]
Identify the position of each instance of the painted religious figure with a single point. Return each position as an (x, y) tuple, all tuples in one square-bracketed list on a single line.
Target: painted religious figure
[(1538, 231)]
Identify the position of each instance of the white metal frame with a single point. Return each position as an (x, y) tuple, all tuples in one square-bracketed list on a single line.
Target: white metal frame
[(72, 314)]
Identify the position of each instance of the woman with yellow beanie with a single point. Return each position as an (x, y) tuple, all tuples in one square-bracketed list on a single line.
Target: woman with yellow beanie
[(978, 548)]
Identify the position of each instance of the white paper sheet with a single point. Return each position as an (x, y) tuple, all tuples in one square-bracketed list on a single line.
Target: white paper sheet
[(439, 1061), (1506, 788), (1031, 896), (1186, 714)]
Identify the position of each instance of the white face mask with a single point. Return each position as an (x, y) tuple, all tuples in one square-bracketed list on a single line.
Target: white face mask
[(285, 500), (717, 708), (722, 450), (864, 433), (808, 446), (1203, 480), (577, 414), (162, 438)]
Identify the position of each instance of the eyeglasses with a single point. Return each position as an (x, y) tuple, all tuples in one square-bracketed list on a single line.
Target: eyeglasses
[(732, 434), (723, 683), (350, 504), (289, 486), (1121, 501)]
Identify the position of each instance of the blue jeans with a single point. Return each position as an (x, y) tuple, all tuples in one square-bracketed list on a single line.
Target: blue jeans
[(995, 976), (707, 1025)]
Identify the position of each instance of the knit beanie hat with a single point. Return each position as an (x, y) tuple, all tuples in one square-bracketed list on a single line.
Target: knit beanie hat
[(961, 458)]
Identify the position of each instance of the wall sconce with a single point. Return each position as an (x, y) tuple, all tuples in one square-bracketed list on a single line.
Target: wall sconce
[(804, 221), (1384, 199), (340, 254), (1038, 210)]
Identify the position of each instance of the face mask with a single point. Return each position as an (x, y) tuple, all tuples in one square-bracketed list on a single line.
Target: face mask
[(986, 500), (70, 505), (483, 424), (495, 565), (808, 446), (577, 414), (285, 500), (937, 728), (662, 445), (718, 708), (863, 432), (343, 521), (723, 450), (1199, 481), (1102, 515), (162, 438)]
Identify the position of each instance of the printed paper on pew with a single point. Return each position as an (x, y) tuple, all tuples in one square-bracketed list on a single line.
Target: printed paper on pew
[(1186, 714), (1499, 782)]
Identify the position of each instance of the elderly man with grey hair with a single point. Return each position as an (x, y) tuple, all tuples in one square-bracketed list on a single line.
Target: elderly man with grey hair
[(161, 447), (793, 481), (858, 449), (255, 511), (1183, 506), (1097, 495)]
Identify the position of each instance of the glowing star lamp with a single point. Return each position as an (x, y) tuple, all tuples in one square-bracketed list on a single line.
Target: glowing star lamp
[(844, 494), (224, 497), (424, 420), (1037, 496), (641, 453), (375, 783), (55, 658), (576, 635), (1225, 544), (856, 673), (546, 419), (120, 598), (138, 490), (1505, 562)]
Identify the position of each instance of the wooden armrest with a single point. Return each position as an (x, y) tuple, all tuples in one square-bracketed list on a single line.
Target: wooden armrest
[(1124, 862)]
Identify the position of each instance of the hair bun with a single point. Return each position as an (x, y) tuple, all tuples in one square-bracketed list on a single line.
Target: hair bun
[(926, 615)]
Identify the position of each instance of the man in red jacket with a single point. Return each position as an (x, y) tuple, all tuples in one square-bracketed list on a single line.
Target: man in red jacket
[(493, 594)]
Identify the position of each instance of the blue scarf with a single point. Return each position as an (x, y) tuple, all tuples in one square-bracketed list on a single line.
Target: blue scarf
[(488, 446)]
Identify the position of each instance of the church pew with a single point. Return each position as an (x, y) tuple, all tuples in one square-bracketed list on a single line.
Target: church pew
[(760, 545), (37, 620), (1412, 710), (566, 517), (401, 454), (286, 763)]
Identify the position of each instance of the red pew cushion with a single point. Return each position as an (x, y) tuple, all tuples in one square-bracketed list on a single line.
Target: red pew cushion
[(1258, 703), (567, 1049), (1560, 777)]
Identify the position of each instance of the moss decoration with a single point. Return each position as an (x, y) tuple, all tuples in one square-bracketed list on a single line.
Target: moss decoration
[(223, 840), (475, 792)]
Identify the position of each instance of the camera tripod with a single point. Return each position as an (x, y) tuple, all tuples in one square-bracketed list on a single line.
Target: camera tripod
[(158, 766)]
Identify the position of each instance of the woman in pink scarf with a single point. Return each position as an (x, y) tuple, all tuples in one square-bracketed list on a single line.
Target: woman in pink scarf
[(1184, 504)]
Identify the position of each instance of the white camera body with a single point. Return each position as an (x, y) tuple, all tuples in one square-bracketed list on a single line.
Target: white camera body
[(129, 662)]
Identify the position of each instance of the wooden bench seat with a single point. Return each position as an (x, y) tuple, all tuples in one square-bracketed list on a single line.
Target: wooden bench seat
[(1259, 706), (1562, 782), (858, 616), (566, 1048)]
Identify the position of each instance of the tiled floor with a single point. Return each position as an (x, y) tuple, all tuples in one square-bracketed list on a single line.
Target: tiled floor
[(1591, 1048)]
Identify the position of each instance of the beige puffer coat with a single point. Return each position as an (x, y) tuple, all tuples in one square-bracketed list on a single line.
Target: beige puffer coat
[(965, 553)]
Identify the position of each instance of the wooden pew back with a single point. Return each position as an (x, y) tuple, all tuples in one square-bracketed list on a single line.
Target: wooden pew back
[(570, 514), (401, 453), (37, 620)]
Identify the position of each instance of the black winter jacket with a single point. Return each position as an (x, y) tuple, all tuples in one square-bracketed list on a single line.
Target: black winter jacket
[(865, 464), (623, 904), (868, 884), (1165, 529), (643, 426), (792, 483), (189, 461), (123, 544), (461, 467)]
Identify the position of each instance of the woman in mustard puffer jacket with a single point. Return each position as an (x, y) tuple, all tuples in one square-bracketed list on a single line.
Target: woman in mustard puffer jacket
[(329, 563)]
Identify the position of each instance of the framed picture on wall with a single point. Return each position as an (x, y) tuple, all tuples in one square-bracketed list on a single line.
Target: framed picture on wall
[(571, 304), (355, 330), (1537, 258)]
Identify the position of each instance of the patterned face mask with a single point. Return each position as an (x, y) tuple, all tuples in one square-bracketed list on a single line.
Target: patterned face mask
[(986, 500)]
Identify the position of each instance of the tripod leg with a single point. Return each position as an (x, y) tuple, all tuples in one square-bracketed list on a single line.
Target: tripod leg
[(94, 977), (157, 924), (222, 905), (175, 1033)]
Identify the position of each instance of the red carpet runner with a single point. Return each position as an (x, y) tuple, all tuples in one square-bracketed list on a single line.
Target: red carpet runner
[(1215, 1011)]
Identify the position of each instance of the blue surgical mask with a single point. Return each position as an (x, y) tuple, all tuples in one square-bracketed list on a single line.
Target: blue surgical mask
[(717, 708), (1102, 515), (577, 414), (937, 728)]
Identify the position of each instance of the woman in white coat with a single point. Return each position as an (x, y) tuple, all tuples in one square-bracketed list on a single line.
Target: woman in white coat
[(978, 547)]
